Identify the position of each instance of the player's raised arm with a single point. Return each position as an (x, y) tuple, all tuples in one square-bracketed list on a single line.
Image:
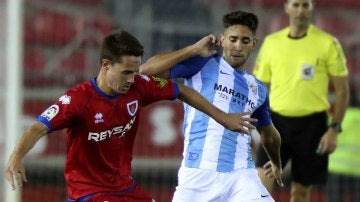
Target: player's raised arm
[(160, 64), (239, 122)]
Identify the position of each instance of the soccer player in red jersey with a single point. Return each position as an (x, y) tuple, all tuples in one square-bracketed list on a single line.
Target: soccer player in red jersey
[(101, 117)]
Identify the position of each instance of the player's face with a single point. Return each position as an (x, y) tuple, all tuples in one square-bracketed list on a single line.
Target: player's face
[(120, 76), (237, 42), (299, 11)]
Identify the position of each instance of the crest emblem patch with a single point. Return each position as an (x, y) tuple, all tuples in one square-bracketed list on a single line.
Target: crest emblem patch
[(253, 87), (132, 107)]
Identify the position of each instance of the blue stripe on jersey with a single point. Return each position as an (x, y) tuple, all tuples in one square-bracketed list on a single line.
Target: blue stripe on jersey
[(227, 152), (228, 147), (97, 89)]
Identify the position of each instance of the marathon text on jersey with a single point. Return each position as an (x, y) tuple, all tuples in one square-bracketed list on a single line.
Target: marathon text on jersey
[(237, 97)]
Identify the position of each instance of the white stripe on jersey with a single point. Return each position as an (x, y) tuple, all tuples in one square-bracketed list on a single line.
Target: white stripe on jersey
[(189, 116)]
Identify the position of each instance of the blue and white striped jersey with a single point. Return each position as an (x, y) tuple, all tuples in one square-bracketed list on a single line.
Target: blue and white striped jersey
[(208, 145)]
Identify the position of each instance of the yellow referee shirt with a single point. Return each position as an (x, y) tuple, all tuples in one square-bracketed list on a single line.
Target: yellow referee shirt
[(298, 70)]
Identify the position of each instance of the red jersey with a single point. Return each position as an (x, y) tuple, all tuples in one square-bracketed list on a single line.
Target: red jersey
[(100, 132)]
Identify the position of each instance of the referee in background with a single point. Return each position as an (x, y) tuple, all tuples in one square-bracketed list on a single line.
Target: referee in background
[(298, 63)]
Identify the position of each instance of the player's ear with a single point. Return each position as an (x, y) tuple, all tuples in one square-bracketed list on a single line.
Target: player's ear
[(286, 4), (255, 41), (105, 63), (221, 38)]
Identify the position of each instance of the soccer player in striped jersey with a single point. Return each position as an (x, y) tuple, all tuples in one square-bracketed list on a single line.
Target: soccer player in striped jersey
[(217, 163), (101, 117)]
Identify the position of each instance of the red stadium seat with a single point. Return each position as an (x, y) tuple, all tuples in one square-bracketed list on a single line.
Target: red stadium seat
[(76, 62), (35, 192), (267, 3), (35, 72), (337, 3), (334, 24), (350, 3), (326, 3), (52, 28), (353, 62), (318, 3), (229, 3), (34, 61), (277, 22), (34, 69), (356, 31), (233, 3), (102, 23), (83, 2), (94, 27), (28, 35), (72, 69)]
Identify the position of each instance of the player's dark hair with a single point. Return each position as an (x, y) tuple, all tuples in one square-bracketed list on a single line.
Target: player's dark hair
[(118, 44), (241, 18)]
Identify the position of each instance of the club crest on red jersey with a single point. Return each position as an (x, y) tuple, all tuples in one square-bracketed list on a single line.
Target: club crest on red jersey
[(132, 107)]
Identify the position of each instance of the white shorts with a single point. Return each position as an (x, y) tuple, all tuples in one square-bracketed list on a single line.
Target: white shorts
[(200, 185)]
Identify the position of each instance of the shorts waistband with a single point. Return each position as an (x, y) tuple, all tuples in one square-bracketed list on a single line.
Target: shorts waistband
[(313, 115)]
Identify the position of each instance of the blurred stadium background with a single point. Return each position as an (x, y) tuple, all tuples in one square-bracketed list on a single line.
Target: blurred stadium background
[(58, 48)]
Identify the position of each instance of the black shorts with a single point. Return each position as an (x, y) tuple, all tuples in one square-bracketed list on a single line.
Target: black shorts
[(300, 137)]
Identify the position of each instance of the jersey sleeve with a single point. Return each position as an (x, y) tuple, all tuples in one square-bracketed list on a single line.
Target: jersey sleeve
[(262, 114), (156, 89), (336, 61), (62, 113), (262, 69), (188, 67)]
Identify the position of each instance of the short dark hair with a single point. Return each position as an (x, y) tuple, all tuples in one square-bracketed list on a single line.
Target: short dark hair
[(120, 43), (241, 18)]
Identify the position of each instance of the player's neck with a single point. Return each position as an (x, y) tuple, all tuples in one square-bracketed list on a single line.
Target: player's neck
[(240, 68), (100, 82)]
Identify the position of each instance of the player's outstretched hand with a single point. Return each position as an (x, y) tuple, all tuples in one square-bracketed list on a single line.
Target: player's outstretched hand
[(271, 170), (239, 122), (14, 172)]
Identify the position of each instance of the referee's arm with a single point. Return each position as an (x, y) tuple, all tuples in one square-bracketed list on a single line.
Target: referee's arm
[(328, 142), (342, 96)]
